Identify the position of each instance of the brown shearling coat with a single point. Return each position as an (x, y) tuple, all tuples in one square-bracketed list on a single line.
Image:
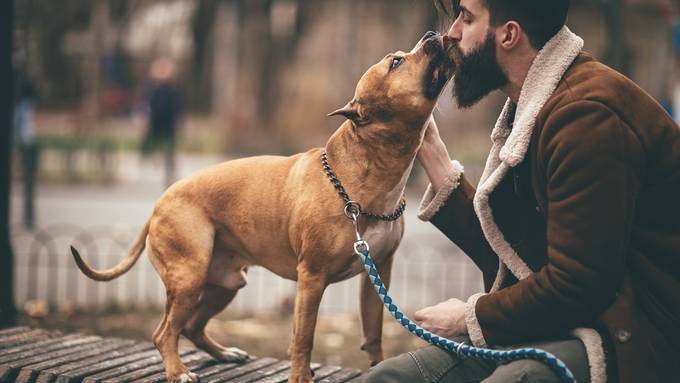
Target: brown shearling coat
[(593, 210)]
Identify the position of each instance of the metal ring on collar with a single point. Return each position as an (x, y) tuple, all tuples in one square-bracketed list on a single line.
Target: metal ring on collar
[(352, 209)]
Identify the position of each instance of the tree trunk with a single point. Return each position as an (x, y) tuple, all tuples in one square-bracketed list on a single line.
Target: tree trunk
[(202, 26), (7, 309)]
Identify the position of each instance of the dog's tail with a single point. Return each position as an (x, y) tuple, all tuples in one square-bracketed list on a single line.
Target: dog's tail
[(121, 268)]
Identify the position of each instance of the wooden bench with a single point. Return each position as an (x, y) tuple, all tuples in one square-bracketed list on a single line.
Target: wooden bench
[(30, 355)]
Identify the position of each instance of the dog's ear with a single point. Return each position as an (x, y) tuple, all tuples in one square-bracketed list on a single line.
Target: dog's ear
[(349, 111), (352, 112)]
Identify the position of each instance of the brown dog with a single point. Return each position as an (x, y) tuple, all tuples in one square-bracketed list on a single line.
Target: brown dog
[(282, 213)]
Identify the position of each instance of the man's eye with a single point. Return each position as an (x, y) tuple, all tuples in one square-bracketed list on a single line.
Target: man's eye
[(396, 62)]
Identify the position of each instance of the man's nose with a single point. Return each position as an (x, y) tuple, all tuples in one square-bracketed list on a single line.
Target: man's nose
[(455, 32)]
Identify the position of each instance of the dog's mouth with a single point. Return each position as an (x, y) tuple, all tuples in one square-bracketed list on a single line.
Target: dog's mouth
[(439, 69), (439, 74)]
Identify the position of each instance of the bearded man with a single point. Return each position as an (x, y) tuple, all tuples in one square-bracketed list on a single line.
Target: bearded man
[(575, 223)]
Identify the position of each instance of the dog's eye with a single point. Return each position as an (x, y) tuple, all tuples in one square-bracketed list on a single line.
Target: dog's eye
[(396, 61)]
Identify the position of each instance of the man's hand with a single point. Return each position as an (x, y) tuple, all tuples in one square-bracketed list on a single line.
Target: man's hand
[(433, 155), (446, 319)]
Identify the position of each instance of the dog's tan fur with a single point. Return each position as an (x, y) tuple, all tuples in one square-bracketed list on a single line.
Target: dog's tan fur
[(282, 213)]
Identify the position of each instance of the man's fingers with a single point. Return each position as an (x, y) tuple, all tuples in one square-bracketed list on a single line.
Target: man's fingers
[(429, 327), (420, 315)]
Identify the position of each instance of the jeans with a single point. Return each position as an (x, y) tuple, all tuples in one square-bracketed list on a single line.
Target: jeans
[(432, 365)]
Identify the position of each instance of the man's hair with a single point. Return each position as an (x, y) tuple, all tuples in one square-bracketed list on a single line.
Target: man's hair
[(540, 19)]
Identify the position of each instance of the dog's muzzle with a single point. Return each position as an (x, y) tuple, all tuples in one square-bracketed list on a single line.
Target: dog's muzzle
[(427, 35)]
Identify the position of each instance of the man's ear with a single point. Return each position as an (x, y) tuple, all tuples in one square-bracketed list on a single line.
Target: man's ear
[(510, 34), (351, 112)]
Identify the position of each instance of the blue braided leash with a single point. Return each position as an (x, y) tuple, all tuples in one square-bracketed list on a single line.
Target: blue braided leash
[(362, 250)]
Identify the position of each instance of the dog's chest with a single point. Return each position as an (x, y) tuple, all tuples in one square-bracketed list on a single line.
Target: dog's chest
[(382, 238)]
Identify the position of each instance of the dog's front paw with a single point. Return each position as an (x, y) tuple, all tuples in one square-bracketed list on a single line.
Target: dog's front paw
[(300, 379), (304, 377), (187, 377), (234, 355)]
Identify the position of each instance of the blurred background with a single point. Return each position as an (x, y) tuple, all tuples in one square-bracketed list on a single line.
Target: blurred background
[(116, 99)]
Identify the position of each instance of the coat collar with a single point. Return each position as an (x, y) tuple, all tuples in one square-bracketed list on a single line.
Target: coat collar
[(544, 74), (510, 145)]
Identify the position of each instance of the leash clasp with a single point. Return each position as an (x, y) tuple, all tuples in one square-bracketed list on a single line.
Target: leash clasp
[(352, 211)]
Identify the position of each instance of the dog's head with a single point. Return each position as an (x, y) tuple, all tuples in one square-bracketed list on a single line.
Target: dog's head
[(402, 86)]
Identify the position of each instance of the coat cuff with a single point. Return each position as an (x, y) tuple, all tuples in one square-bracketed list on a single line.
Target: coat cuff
[(431, 201), (473, 327), (597, 361)]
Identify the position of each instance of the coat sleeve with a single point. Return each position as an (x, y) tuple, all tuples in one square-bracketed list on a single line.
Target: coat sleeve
[(451, 210), (593, 164)]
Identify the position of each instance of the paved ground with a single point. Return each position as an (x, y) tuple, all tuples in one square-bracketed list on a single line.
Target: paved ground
[(428, 267)]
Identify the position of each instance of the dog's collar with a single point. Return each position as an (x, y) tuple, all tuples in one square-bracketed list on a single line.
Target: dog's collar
[(353, 207)]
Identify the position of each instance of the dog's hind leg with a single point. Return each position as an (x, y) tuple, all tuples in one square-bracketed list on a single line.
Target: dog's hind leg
[(180, 307), (371, 308), (161, 326), (213, 300), (181, 259)]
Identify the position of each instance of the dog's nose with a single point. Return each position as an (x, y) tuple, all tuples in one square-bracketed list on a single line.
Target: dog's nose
[(428, 34)]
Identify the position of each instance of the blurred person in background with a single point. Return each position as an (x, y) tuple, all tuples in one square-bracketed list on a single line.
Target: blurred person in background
[(164, 112), (575, 223)]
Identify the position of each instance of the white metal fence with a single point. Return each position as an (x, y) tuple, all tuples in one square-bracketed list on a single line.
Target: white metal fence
[(427, 270)]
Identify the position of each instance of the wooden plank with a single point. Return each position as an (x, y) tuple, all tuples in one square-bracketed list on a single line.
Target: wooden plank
[(341, 376), (30, 368), (55, 350), (13, 367), (217, 368), (51, 337), (22, 338), (21, 341), (43, 347), (21, 334), (262, 372), (187, 356), (325, 371), (152, 360), (358, 379), (201, 361), (240, 370), (95, 356), (111, 362), (13, 330), (282, 376)]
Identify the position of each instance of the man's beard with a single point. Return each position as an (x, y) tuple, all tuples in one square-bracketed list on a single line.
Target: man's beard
[(477, 74)]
